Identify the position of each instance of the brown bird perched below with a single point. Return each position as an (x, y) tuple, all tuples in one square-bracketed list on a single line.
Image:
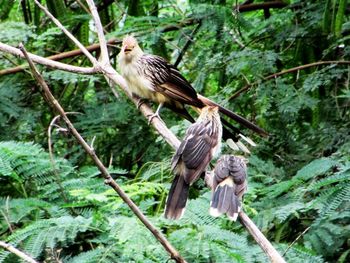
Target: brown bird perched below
[(201, 142), (228, 182), (152, 77)]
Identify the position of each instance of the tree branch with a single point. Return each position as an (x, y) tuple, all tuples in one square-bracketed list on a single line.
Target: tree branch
[(44, 61), (91, 48), (258, 6), (262, 241), (17, 252), (275, 75), (187, 45), (108, 179), (100, 34), (68, 34), (60, 56)]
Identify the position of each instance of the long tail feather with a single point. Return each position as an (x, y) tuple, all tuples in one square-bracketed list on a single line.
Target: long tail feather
[(177, 198), (234, 116), (224, 201)]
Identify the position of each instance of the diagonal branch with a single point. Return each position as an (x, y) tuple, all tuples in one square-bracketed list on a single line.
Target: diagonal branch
[(17, 252), (275, 75), (100, 34), (108, 179), (68, 34), (262, 241), (187, 44)]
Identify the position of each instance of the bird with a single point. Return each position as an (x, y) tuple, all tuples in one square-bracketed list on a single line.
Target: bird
[(228, 181), (152, 78), (200, 144)]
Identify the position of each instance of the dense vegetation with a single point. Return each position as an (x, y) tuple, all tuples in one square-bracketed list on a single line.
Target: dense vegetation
[(299, 187)]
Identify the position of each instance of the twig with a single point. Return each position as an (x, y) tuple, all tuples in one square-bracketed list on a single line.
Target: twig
[(69, 34), (61, 56), (187, 45), (52, 159), (275, 75), (47, 62), (93, 47), (270, 251), (303, 233), (17, 252), (100, 34), (174, 254), (258, 6)]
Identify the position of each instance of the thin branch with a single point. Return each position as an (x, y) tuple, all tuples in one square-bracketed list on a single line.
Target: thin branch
[(68, 34), (100, 34), (270, 251), (275, 75), (61, 56), (45, 61), (303, 233), (187, 45), (52, 159), (17, 252), (108, 179), (93, 47), (258, 6)]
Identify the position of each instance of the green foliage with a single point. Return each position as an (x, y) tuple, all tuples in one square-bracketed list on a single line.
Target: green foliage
[(298, 177)]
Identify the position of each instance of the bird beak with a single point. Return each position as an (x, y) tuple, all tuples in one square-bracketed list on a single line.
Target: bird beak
[(126, 49)]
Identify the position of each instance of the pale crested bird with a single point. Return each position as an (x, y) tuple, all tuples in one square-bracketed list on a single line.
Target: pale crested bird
[(229, 183), (201, 143), (152, 77)]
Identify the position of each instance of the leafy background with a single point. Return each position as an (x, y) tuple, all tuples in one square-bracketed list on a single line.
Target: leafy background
[(299, 187)]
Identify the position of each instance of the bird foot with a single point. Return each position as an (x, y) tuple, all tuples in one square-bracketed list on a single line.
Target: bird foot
[(155, 115), (140, 102)]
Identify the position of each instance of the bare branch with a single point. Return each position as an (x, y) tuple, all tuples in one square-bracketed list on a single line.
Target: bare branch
[(45, 61), (187, 45), (109, 180), (258, 6), (100, 34), (270, 251), (298, 237), (68, 34), (17, 252), (93, 47), (275, 75)]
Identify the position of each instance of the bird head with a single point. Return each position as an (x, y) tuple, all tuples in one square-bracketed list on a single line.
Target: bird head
[(130, 48), (209, 111)]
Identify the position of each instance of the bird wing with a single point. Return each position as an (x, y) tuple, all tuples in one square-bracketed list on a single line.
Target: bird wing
[(168, 81), (199, 141)]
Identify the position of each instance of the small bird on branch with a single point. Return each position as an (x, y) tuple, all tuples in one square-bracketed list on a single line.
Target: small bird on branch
[(152, 77), (229, 183), (201, 142)]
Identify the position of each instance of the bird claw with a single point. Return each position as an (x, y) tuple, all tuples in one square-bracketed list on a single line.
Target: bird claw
[(140, 102), (155, 115)]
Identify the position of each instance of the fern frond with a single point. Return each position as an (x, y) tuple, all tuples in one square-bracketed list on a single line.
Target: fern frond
[(333, 203), (25, 161), (48, 233), (17, 209), (98, 255), (315, 168)]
